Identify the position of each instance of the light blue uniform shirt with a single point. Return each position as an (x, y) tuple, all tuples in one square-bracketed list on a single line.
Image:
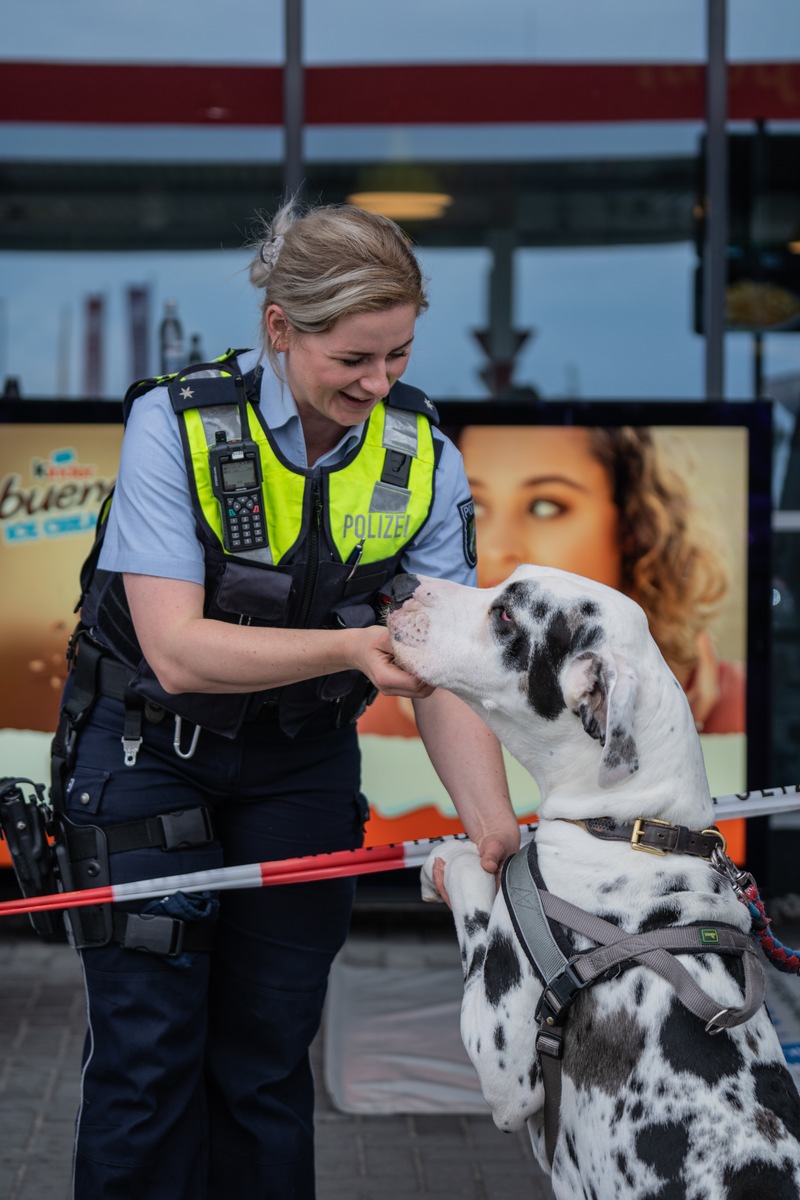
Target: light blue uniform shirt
[(151, 527)]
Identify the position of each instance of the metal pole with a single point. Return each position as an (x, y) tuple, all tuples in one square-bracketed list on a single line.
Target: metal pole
[(716, 200), (293, 95)]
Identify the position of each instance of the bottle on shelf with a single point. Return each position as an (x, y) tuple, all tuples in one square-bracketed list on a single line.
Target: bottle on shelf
[(195, 350), (170, 333)]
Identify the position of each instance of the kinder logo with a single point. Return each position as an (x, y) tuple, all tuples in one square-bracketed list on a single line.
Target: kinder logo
[(62, 464), (64, 498)]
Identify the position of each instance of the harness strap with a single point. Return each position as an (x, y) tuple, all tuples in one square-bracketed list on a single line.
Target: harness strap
[(524, 902), (550, 1050), (532, 907), (656, 949)]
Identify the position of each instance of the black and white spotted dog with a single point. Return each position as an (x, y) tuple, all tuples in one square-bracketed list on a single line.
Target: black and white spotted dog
[(653, 1107)]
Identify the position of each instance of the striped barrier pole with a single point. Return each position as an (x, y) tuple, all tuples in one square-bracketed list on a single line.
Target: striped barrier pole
[(341, 862)]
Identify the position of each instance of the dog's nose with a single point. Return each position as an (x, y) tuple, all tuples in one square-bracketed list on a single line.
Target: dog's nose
[(403, 586)]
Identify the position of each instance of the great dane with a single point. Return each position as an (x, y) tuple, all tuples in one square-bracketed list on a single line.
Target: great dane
[(655, 1103)]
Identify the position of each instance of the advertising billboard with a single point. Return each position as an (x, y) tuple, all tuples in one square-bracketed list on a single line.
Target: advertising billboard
[(670, 502)]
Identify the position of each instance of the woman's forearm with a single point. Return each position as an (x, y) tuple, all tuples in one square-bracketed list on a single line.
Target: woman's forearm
[(191, 653), (469, 761)]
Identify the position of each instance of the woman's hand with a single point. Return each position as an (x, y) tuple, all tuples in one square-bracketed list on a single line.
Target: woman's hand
[(377, 663), (495, 848)]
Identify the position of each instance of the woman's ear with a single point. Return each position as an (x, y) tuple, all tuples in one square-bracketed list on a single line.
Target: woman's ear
[(277, 326)]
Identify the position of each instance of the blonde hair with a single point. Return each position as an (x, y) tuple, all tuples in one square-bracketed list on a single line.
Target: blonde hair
[(333, 261)]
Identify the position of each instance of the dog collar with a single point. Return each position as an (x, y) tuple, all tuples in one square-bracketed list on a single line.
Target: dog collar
[(652, 836)]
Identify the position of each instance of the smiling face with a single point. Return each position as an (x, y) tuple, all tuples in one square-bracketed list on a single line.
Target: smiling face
[(541, 497), (338, 377)]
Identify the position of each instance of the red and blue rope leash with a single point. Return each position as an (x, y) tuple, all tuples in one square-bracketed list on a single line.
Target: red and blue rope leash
[(746, 889), (779, 955)]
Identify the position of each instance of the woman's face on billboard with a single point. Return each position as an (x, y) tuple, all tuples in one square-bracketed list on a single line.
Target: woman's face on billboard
[(541, 497)]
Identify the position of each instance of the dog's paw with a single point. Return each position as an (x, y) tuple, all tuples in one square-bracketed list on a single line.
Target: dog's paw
[(435, 879)]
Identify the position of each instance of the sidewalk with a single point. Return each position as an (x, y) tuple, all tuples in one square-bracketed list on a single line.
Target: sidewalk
[(359, 1157)]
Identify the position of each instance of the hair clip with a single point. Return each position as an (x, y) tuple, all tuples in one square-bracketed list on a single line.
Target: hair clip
[(270, 250)]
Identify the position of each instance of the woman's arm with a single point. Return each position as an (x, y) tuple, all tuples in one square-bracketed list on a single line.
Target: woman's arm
[(469, 761), (190, 653)]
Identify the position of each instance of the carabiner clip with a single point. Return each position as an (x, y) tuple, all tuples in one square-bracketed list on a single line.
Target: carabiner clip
[(739, 880), (176, 741)]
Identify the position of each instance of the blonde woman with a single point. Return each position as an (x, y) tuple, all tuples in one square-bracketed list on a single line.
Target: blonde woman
[(236, 649)]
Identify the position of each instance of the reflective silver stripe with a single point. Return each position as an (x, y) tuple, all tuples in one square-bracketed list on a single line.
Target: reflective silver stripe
[(386, 498), (221, 416), (400, 432)]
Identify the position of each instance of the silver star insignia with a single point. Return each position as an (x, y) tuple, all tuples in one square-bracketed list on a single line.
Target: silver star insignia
[(428, 404), (186, 393)]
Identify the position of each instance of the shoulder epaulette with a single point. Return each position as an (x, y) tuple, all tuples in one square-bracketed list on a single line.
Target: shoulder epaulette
[(412, 399), (196, 395)]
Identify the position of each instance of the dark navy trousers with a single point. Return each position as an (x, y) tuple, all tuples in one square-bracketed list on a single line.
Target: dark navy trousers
[(196, 1076)]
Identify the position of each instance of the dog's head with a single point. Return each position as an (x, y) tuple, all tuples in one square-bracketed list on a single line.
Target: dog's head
[(552, 661)]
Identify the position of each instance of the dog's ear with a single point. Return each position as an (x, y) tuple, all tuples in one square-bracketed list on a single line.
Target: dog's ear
[(602, 691)]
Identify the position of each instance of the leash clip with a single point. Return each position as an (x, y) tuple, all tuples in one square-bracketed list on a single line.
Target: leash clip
[(739, 880)]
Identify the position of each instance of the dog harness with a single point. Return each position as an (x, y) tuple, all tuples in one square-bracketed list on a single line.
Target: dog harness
[(563, 972)]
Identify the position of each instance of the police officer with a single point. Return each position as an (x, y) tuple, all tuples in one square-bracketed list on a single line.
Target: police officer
[(229, 639)]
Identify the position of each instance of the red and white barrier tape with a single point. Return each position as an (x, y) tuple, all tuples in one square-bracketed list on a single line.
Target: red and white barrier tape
[(341, 862)]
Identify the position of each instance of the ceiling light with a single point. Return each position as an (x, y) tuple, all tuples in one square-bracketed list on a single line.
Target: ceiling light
[(401, 190), (403, 206)]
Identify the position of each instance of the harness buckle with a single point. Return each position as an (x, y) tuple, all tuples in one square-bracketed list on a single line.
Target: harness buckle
[(550, 1043), (557, 995), (639, 832)]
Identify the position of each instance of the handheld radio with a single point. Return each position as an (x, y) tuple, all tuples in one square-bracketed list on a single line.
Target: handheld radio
[(236, 481)]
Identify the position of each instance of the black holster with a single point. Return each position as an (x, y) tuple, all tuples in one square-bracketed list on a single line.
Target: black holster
[(27, 825)]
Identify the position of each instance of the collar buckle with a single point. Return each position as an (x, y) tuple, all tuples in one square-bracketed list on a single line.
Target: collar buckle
[(639, 832)]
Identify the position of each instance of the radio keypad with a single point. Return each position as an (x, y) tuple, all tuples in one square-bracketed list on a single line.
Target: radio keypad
[(246, 524)]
